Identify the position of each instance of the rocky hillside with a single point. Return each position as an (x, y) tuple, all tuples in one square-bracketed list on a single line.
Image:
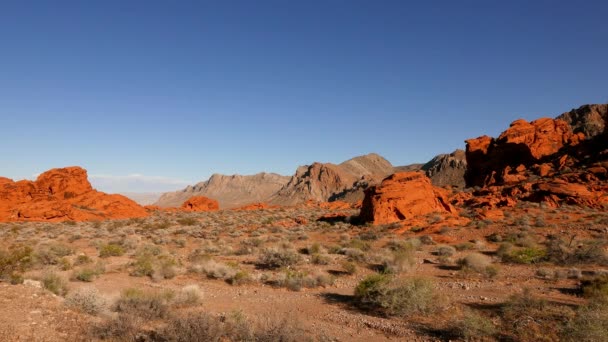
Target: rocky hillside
[(61, 195), (230, 191), (326, 181), (447, 169)]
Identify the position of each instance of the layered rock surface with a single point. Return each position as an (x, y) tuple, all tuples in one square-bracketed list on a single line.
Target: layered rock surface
[(60, 195), (403, 196)]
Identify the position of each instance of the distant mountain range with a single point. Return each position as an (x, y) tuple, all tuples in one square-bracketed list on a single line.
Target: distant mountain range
[(346, 181)]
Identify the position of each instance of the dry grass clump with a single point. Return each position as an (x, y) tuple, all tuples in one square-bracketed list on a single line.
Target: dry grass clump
[(380, 292), (87, 300)]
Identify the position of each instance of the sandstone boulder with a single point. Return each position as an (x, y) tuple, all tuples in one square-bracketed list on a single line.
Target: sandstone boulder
[(403, 196), (200, 203)]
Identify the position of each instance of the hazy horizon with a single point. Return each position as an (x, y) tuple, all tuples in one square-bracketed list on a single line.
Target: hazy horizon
[(153, 96)]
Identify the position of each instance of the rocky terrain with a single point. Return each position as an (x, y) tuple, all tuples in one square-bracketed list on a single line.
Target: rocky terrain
[(60, 195), (519, 252), (447, 169), (230, 191)]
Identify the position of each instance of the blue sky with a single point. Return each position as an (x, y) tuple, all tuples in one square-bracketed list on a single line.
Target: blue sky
[(153, 95)]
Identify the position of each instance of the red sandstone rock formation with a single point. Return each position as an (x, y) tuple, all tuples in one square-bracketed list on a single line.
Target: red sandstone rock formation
[(200, 203), (61, 195), (402, 196), (503, 160)]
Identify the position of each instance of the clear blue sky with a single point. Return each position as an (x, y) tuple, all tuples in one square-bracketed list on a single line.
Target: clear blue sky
[(150, 95)]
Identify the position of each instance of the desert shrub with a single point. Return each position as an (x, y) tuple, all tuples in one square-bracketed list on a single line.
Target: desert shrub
[(147, 305), (199, 326), (239, 278), (596, 287), (320, 259), (188, 296), (165, 267), (152, 265), (527, 255), (575, 252), (109, 250), (124, 327), (215, 270), (399, 261), (82, 260), (446, 251), (464, 246), (51, 254), (473, 326), (55, 284), (348, 267), (187, 221), (15, 260), (295, 281), (359, 244), (379, 292), (479, 263), (84, 274), (589, 324), (531, 319), (278, 257), (87, 300)]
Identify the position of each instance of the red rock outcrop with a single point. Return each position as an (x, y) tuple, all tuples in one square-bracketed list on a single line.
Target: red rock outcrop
[(60, 195), (403, 196), (503, 160), (200, 203)]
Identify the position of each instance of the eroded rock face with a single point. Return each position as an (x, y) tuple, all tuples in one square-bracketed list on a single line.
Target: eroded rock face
[(60, 195), (496, 161), (403, 196), (200, 203), (447, 169)]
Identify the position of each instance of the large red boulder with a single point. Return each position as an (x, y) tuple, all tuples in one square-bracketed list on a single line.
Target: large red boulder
[(61, 195), (402, 196), (200, 203)]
